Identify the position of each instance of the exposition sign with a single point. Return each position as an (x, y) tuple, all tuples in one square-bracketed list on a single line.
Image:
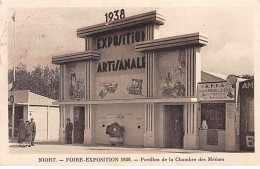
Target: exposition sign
[(117, 50), (216, 91), (120, 39)]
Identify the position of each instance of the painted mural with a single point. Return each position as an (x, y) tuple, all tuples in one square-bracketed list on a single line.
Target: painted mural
[(77, 82), (173, 89), (121, 87), (108, 87), (135, 88), (172, 74)]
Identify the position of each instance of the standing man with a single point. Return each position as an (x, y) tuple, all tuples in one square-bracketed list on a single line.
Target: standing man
[(34, 131), (68, 129)]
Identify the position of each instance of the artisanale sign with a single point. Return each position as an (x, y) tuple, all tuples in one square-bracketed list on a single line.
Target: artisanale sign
[(125, 64), (121, 39), (216, 91)]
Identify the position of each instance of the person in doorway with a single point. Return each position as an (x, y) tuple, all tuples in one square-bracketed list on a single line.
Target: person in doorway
[(29, 131), (22, 133), (68, 129), (33, 131)]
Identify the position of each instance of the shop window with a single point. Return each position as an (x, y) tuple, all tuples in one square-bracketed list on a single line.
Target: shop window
[(214, 115)]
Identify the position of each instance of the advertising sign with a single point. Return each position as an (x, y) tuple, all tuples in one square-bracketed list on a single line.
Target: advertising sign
[(216, 91)]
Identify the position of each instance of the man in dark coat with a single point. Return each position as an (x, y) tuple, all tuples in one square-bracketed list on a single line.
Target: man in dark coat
[(69, 129), (33, 131)]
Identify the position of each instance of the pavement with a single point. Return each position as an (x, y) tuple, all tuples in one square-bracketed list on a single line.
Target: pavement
[(58, 148)]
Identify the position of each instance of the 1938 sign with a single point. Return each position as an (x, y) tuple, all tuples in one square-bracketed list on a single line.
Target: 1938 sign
[(117, 14)]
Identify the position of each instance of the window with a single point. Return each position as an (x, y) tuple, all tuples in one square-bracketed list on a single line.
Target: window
[(214, 114)]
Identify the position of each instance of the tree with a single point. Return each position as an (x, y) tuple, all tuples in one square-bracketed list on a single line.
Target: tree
[(22, 77), (41, 80), (247, 76)]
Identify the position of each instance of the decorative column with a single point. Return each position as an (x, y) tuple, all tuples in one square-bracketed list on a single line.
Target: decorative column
[(62, 75), (90, 78), (190, 128), (193, 76), (149, 71), (149, 125), (151, 32), (62, 134), (89, 134)]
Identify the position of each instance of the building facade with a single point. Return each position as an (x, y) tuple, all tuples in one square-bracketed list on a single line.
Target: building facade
[(129, 75)]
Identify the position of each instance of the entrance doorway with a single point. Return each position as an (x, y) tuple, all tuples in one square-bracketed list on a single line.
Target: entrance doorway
[(173, 126), (79, 124), (17, 116)]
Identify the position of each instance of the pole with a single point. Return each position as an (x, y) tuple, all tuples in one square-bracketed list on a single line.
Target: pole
[(13, 109)]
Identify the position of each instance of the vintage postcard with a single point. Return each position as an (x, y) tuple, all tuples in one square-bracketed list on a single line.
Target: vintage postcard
[(120, 83)]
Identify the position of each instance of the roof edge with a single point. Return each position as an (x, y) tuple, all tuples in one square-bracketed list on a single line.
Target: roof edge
[(144, 18)]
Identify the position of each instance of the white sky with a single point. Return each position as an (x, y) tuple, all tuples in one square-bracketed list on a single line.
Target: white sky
[(45, 32)]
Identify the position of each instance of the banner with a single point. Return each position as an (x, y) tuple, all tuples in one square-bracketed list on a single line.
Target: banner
[(216, 91)]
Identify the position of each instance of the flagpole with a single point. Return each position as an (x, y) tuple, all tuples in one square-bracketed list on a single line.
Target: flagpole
[(13, 108)]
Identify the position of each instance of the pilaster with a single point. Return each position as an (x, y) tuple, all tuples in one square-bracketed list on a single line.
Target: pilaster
[(149, 140), (89, 133)]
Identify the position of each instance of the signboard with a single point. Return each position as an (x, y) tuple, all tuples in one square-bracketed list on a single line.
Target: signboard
[(231, 110), (247, 88), (216, 91)]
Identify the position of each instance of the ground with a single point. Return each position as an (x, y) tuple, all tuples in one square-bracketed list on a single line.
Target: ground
[(57, 148)]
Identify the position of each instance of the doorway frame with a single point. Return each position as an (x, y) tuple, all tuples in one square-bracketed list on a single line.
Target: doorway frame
[(164, 134), (72, 119)]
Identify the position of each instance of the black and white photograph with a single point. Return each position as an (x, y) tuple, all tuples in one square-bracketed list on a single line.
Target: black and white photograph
[(168, 83)]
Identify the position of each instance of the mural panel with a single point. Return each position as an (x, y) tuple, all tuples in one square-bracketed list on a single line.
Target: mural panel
[(75, 80), (121, 87), (172, 74)]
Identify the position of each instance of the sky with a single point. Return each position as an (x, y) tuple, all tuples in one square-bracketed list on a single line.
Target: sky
[(41, 33)]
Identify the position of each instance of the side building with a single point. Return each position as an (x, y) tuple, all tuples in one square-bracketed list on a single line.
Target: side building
[(225, 114), (46, 116)]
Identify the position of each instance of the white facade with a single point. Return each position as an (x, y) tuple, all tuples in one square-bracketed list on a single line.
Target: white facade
[(46, 116)]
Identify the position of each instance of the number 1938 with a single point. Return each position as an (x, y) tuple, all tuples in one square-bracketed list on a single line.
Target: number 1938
[(117, 14)]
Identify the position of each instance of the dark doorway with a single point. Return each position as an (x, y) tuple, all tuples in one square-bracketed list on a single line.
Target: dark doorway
[(17, 116), (79, 124), (173, 126)]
